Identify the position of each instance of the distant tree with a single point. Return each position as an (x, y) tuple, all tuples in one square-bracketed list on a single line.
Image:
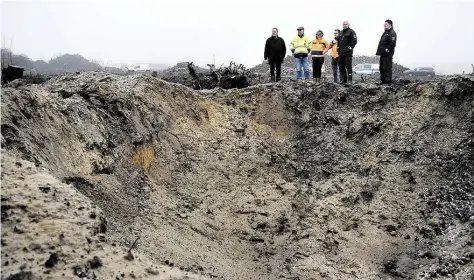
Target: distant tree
[(8, 58), (59, 64)]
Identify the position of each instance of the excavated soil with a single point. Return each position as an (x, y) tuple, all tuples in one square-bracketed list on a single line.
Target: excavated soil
[(275, 181), (51, 231)]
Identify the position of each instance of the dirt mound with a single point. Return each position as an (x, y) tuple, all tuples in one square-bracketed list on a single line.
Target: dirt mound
[(272, 181), (195, 77), (180, 74)]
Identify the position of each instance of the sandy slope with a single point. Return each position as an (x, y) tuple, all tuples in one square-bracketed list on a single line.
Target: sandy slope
[(51, 231)]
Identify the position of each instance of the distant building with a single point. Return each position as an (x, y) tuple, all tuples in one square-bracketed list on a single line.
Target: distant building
[(147, 67), (143, 67)]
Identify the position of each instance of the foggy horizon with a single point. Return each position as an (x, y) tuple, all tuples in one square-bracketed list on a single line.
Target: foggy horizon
[(430, 33)]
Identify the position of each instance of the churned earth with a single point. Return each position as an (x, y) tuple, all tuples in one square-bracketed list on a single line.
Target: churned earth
[(274, 181)]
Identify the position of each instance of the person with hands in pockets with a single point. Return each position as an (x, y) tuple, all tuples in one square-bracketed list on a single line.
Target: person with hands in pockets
[(386, 50), (347, 42), (275, 51)]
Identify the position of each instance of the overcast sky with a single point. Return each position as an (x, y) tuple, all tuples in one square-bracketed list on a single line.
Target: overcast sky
[(430, 33)]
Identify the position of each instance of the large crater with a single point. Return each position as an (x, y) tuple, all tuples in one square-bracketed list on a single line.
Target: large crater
[(275, 181)]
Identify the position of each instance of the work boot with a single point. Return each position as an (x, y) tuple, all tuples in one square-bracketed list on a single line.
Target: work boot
[(278, 79), (350, 79)]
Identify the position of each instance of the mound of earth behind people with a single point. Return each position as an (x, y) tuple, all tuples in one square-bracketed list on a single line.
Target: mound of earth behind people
[(195, 77)]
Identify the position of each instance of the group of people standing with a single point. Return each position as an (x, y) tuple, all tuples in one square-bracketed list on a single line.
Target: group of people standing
[(341, 49)]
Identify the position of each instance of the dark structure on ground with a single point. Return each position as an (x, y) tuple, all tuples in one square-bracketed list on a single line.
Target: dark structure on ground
[(11, 72)]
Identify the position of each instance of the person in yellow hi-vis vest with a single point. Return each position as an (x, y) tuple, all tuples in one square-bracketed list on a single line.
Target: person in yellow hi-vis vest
[(300, 46), (334, 54)]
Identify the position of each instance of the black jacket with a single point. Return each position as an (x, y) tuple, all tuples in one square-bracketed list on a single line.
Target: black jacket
[(387, 43), (275, 49), (347, 42)]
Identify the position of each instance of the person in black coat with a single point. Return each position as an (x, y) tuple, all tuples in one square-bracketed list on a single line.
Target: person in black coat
[(345, 47), (275, 51), (386, 50)]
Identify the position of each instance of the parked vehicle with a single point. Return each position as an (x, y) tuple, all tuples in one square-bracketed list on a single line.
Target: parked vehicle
[(366, 68), (420, 71)]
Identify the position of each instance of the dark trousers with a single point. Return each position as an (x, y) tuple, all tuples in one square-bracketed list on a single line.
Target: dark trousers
[(317, 66), (335, 67), (345, 66), (274, 64), (386, 69)]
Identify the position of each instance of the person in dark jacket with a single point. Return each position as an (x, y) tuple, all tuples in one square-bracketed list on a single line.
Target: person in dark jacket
[(386, 50), (345, 47), (275, 51)]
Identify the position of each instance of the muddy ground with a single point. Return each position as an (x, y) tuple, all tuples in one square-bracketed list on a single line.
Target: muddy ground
[(275, 181)]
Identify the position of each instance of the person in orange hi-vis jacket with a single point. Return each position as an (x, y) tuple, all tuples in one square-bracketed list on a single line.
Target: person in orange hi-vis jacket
[(319, 47), (335, 54)]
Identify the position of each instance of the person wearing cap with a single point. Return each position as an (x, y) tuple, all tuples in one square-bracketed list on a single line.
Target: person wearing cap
[(386, 50), (334, 54), (300, 46), (319, 47), (347, 42), (275, 51)]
